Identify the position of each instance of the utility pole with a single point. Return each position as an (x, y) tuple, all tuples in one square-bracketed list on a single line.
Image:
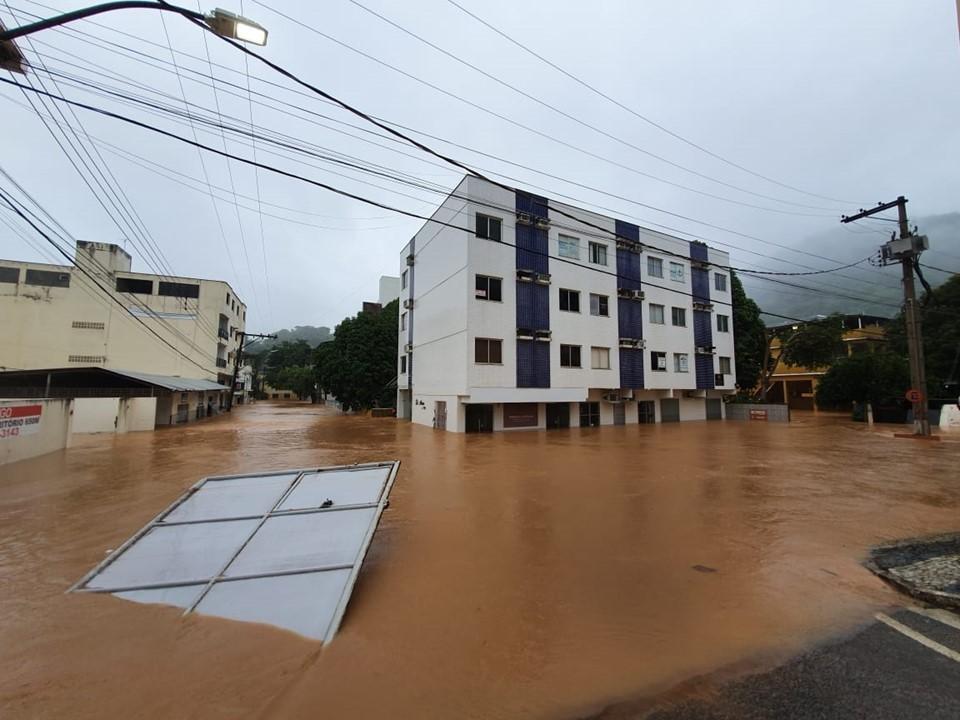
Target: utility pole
[(906, 250), (236, 362)]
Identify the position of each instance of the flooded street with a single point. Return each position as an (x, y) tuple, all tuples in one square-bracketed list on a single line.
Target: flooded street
[(515, 575)]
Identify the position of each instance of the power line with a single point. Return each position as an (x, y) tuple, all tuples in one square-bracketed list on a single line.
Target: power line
[(637, 114)]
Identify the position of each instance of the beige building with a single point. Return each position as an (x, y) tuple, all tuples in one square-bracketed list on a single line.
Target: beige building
[(55, 316)]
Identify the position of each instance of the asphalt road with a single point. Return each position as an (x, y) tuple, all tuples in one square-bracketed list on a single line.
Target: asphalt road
[(901, 667)]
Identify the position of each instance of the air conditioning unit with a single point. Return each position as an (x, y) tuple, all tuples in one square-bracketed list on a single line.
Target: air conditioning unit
[(525, 334), (704, 350), (408, 303), (638, 295), (700, 264), (629, 342), (625, 293), (543, 223), (543, 279), (526, 275), (408, 348), (524, 219), (625, 244), (543, 335), (410, 259), (702, 306)]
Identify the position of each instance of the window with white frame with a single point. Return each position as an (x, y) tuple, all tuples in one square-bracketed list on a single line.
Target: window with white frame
[(569, 247), (654, 267), (598, 253), (600, 358), (723, 323), (656, 314), (681, 362), (489, 227), (599, 305), (676, 272), (570, 300), (678, 316), (724, 366), (720, 282), (658, 361), (403, 364), (570, 356)]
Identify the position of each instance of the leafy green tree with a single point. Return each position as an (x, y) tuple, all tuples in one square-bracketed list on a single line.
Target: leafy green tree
[(940, 321), (286, 355), (814, 344), (360, 365), (875, 377), (301, 379), (748, 336)]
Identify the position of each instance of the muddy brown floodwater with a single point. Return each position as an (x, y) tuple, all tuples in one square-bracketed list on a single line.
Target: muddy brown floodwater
[(517, 575)]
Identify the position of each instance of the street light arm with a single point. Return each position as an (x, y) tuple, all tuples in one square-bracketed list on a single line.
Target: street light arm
[(96, 10)]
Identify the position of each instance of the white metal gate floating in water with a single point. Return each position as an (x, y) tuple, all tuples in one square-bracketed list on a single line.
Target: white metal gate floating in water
[(282, 548)]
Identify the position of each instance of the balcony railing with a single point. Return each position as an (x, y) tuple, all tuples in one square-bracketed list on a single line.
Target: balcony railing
[(221, 362)]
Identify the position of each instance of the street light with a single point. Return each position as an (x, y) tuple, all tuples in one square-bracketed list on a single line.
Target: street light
[(222, 22)]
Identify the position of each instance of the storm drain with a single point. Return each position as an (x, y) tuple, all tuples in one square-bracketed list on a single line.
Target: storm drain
[(282, 548)]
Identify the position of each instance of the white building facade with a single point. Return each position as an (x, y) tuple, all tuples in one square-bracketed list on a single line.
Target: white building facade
[(93, 313), (518, 312)]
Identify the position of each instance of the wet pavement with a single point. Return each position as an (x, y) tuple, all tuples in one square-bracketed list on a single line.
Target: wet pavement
[(516, 575)]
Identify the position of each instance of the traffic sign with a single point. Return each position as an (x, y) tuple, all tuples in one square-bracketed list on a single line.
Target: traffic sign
[(914, 395)]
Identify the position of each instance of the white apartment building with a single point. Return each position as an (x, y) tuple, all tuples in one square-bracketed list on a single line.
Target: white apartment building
[(522, 312), (55, 316)]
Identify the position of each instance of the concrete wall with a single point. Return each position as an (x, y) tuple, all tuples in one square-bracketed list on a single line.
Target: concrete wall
[(137, 414), (33, 427), (741, 411)]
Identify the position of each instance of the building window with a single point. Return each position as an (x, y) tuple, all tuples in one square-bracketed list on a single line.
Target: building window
[(403, 321), (678, 316), (676, 272), (681, 362), (589, 414), (658, 361), (489, 288), (724, 366), (720, 282), (600, 358), (489, 228), (569, 247), (570, 300), (656, 314), (599, 305), (181, 290), (654, 267), (9, 275), (570, 356), (47, 278), (134, 285), (403, 364), (723, 323), (598, 253), (487, 351), (403, 280), (228, 298)]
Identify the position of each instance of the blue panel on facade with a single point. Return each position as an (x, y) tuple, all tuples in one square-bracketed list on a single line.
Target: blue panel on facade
[(631, 368), (533, 364), (630, 318), (628, 269), (700, 284), (628, 231), (532, 204), (532, 249), (533, 306), (704, 365), (698, 251)]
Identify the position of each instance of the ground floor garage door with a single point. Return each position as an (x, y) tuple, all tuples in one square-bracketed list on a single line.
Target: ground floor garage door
[(670, 410), (480, 418), (619, 414), (646, 412), (558, 415), (714, 409)]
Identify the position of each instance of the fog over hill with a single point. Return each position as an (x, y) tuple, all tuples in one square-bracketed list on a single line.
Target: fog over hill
[(868, 289), (311, 334)]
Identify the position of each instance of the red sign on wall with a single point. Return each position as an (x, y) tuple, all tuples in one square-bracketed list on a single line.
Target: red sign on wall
[(17, 420), (758, 415)]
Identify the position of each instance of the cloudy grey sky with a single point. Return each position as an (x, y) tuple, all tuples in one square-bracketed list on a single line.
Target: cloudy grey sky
[(853, 102)]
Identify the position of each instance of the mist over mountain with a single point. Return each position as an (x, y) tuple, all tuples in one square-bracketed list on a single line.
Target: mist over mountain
[(862, 289), (311, 334)]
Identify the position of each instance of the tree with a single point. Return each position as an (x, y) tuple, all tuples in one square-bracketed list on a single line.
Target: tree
[(748, 336), (301, 379), (813, 345), (940, 319), (286, 355), (876, 377), (360, 365)]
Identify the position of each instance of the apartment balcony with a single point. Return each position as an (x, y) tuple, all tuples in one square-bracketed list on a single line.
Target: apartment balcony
[(224, 333), (221, 362)]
